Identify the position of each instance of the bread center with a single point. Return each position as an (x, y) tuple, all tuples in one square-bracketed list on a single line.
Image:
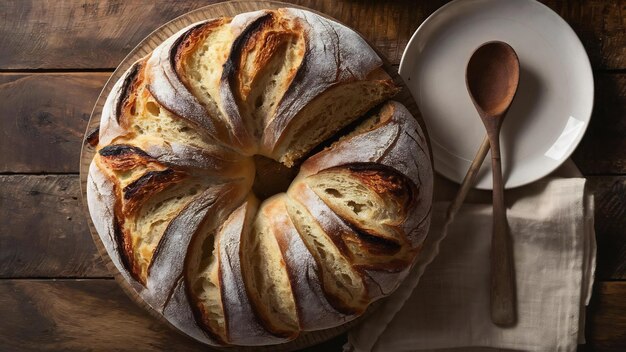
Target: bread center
[(271, 177)]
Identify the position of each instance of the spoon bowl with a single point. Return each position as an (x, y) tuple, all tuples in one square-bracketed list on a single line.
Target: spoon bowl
[(493, 77)]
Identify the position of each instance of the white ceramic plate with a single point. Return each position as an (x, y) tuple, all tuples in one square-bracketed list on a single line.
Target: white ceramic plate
[(554, 100)]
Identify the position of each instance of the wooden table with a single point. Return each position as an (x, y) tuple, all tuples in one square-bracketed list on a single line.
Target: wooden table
[(55, 56)]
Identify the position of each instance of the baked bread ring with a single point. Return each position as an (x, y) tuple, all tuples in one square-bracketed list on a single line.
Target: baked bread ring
[(183, 190)]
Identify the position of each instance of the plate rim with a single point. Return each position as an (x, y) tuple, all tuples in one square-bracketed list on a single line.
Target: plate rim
[(588, 71)]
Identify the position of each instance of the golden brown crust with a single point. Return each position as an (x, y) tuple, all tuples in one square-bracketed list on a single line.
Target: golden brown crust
[(385, 181), (265, 40), (130, 198), (197, 224), (230, 82), (92, 137), (190, 41), (122, 158), (332, 227), (127, 251), (150, 183), (176, 141), (130, 92), (241, 48), (203, 316), (204, 319), (270, 306)]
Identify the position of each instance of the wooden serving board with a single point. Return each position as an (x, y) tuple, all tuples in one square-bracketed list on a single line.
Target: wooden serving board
[(145, 47)]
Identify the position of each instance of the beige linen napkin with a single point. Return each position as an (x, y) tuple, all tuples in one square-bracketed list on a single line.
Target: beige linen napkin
[(551, 224)]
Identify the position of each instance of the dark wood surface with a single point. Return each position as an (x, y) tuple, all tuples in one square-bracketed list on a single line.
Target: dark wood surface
[(55, 56)]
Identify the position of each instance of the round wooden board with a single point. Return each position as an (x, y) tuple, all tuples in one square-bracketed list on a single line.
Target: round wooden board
[(145, 47)]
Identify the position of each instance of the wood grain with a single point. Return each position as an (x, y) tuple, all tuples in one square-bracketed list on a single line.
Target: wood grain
[(610, 225), (44, 232), (79, 33), (602, 150), (98, 34), (43, 119), (70, 315), (606, 321), (600, 25), (388, 25)]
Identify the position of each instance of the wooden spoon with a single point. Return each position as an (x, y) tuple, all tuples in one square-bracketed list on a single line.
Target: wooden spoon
[(492, 77)]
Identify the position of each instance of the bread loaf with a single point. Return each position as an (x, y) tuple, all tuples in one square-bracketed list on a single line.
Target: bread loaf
[(182, 135)]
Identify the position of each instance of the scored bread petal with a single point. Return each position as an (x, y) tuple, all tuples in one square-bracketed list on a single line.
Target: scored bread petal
[(342, 283), (131, 115), (167, 88), (149, 196), (110, 127), (206, 210), (339, 77), (387, 139), (264, 58), (243, 326), (314, 310), (222, 165), (102, 199), (178, 312), (383, 196), (140, 183), (266, 278), (167, 271), (380, 265), (202, 58)]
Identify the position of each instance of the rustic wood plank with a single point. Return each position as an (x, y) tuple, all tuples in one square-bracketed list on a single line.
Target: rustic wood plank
[(606, 321), (43, 118), (601, 27), (70, 315), (610, 225), (98, 34), (44, 231), (602, 149), (41, 315), (48, 244), (79, 33)]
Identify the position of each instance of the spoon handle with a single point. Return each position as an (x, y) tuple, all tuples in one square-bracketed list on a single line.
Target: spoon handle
[(468, 182), (503, 311)]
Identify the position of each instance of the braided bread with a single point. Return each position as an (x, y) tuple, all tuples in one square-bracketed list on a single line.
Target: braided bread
[(214, 195)]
